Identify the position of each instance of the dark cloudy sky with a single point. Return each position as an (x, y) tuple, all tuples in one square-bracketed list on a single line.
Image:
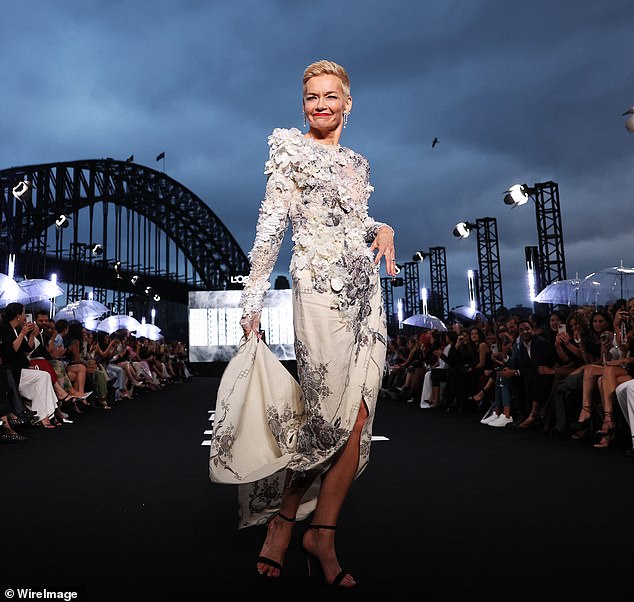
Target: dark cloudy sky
[(515, 91)]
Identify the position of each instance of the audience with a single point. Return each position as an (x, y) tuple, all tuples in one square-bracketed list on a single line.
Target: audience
[(553, 373), (47, 367)]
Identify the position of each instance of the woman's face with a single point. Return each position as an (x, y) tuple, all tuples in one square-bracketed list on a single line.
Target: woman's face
[(554, 322), (599, 323), (325, 102)]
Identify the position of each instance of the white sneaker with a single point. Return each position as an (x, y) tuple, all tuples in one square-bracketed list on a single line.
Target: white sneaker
[(424, 405), (501, 420), (489, 418)]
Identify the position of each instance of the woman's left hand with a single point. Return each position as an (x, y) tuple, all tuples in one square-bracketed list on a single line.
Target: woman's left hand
[(384, 245)]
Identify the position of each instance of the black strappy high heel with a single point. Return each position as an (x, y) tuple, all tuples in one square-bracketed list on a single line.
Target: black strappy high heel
[(268, 561), (336, 582)]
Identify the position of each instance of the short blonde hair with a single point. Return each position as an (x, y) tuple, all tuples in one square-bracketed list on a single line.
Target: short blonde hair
[(324, 67)]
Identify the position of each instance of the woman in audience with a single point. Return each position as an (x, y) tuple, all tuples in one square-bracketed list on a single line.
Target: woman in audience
[(594, 348), (103, 349), (616, 371)]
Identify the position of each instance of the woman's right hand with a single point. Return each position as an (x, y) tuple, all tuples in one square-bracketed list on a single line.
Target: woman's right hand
[(251, 323)]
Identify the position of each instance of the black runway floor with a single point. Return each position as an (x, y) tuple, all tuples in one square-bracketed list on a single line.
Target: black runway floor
[(119, 506)]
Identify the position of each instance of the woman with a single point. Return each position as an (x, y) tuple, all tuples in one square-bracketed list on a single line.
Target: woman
[(340, 333)]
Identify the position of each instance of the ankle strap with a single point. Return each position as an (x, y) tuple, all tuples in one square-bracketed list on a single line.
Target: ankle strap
[(331, 527), (288, 520)]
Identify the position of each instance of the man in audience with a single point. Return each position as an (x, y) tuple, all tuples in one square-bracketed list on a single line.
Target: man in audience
[(531, 353)]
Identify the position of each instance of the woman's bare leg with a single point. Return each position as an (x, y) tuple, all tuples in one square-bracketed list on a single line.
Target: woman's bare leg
[(335, 486), (590, 374)]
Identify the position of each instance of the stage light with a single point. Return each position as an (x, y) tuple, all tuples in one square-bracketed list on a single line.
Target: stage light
[(134, 279), (117, 270), (148, 290), (471, 282), (97, 250), (420, 256), (629, 122), (23, 191), (517, 195), (156, 298), (463, 229), (62, 221)]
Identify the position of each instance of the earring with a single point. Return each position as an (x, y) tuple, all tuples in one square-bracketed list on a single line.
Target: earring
[(345, 120), (304, 116)]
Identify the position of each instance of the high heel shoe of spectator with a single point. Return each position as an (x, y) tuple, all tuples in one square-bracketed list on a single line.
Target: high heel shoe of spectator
[(101, 403), (581, 425), (607, 432), (18, 421)]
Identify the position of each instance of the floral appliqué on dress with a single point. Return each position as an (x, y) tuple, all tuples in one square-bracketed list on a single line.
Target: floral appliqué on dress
[(323, 190)]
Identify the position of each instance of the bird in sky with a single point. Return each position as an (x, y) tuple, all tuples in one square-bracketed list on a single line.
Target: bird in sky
[(434, 142)]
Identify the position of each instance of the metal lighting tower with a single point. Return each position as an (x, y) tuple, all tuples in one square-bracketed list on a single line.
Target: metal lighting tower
[(549, 233), (489, 266), (439, 297), (412, 288)]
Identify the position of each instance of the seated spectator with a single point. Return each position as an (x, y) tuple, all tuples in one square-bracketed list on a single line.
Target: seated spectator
[(616, 371), (625, 398), (8, 420), (396, 358), (594, 348), (501, 411), (530, 355), (104, 348), (445, 354)]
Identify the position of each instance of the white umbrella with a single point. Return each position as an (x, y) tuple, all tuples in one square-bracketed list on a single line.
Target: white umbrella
[(560, 292), (118, 322), (607, 285), (39, 289), (82, 310), (425, 321), (149, 331), (10, 292), (466, 312)]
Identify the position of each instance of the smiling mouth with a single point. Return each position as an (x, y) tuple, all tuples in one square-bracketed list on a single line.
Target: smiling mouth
[(321, 114)]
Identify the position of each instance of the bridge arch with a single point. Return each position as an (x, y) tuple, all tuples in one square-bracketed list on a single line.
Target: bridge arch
[(148, 225)]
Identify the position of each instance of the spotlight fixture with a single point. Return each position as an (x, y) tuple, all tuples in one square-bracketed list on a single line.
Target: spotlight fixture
[(420, 256), (23, 191), (148, 290), (97, 250), (156, 297), (517, 195), (134, 279), (629, 122), (62, 221), (117, 270), (463, 229)]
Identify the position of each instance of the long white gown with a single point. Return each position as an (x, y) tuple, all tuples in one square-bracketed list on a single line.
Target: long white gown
[(264, 422)]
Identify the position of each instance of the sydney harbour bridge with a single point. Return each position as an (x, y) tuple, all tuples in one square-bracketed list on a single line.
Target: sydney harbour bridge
[(129, 234)]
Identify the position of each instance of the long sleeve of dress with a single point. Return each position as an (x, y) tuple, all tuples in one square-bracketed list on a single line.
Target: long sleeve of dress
[(271, 227), (372, 227)]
